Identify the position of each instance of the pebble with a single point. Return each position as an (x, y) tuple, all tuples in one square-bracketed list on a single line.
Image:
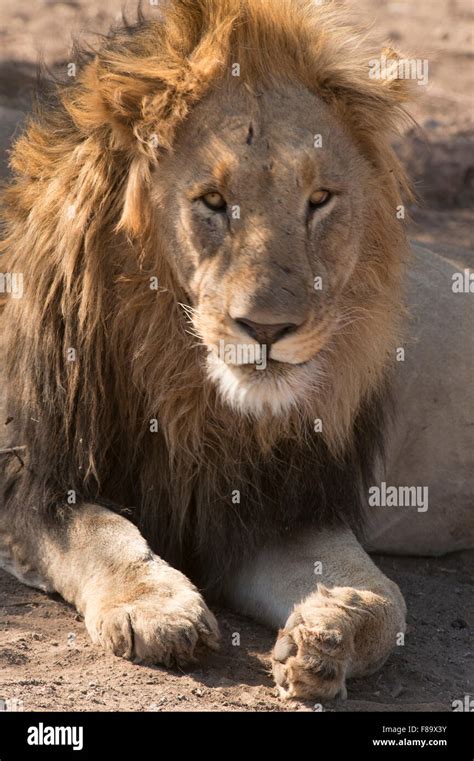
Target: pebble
[(459, 623), (396, 690)]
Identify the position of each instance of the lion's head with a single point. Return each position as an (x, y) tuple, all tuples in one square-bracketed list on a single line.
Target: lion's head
[(265, 200)]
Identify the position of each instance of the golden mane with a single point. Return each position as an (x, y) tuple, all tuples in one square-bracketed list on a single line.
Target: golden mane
[(80, 228)]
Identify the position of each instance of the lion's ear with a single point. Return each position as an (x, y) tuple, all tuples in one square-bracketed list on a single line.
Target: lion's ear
[(373, 94), (396, 75)]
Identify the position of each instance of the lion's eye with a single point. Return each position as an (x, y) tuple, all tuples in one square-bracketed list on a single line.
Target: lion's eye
[(214, 201), (319, 198)]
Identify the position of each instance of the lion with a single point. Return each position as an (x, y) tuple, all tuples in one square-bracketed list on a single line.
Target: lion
[(199, 368)]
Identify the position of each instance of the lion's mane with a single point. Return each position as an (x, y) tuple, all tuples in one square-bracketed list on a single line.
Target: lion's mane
[(208, 483)]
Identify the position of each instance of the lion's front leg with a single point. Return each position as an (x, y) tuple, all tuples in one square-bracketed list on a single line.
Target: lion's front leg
[(134, 604), (338, 616)]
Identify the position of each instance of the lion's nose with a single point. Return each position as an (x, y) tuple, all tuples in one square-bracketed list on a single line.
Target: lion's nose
[(266, 334)]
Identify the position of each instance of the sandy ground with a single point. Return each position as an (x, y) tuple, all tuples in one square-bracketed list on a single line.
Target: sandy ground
[(46, 660)]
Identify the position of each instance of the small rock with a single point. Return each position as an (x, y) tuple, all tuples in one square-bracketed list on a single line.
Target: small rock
[(396, 690), (459, 623)]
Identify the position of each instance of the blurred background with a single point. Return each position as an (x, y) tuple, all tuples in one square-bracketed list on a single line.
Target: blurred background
[(439, 152)]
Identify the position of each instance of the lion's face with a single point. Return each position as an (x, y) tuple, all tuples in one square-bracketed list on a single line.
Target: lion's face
[(262, 206)]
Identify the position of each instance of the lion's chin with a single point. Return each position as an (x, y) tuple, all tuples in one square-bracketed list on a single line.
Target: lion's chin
[(273, 391)]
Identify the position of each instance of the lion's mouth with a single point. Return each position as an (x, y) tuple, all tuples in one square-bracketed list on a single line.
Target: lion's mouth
[(273, 366), (255, 382), (258, 357), (259, 392)]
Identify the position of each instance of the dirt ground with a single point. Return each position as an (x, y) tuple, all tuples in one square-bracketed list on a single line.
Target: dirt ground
[(48, 662), (46, 659)]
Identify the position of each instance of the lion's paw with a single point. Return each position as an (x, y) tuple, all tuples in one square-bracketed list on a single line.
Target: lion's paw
[(313, 652), (163, 622)]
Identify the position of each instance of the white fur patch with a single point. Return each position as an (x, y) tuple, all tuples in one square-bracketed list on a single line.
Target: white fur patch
[(259, 392)]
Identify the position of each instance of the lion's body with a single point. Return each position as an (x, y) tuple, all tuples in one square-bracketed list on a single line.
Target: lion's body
[(117, 404), (431, 443)]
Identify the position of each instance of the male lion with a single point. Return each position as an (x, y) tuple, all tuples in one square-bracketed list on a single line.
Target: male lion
[(206, 222)]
